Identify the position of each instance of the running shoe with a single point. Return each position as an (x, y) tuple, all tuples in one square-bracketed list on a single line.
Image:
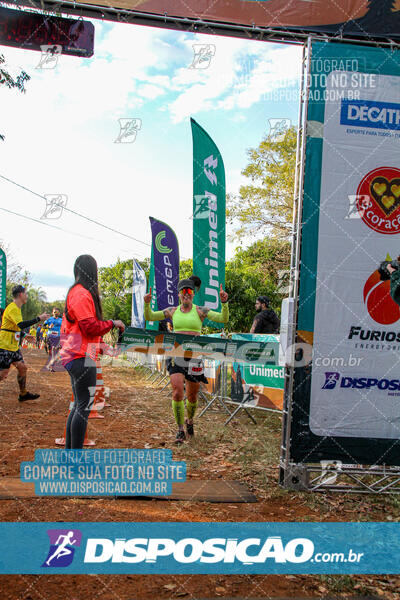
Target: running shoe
[(28, 396), (180, 437), (189, 429)]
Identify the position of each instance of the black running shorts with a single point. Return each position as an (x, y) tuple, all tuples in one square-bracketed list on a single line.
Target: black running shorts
[(191, 368), (7, 357)]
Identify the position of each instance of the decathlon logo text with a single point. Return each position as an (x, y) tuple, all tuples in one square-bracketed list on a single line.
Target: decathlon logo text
[(368, 113), (189, 550)]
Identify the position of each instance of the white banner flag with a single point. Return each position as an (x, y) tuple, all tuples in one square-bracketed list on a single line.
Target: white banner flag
[(138, 292)]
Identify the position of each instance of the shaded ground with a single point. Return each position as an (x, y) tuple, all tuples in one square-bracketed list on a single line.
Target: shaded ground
[(140, 416)]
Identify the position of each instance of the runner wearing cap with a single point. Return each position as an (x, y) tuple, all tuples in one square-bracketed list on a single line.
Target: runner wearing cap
[(10, 333), (187, 318)]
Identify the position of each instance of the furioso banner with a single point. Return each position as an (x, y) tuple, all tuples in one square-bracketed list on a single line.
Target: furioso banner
[(3, 278), (209, 203), (360, 18), (165, 252)]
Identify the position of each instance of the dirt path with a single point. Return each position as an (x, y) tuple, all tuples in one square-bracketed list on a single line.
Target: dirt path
[(139, 417)]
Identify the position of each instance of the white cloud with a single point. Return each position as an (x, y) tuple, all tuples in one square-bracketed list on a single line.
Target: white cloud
[(238, 76), (59, 138), (151, 91)]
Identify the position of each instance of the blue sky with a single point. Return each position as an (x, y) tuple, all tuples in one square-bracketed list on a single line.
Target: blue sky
[(60, 138)]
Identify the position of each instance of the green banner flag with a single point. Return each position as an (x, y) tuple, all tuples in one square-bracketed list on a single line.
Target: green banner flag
[(153, 325), (208, 219), (3, 278)]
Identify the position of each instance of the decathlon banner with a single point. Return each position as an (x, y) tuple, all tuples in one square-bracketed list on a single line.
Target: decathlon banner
[(199, 548), (3, 278), (351, 216), (138, 291), (208, 219), (165, 252)]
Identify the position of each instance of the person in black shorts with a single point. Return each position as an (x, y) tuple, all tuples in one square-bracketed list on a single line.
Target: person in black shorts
[(187, 318), (10, 333)]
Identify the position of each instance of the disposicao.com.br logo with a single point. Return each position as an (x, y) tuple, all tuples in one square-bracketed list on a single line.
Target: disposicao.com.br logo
[(248, 551), (62, 547)]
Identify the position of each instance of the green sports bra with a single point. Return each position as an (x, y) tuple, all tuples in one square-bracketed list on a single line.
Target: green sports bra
[(189, 321)]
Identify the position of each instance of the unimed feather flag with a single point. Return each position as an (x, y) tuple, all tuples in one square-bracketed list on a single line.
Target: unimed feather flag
[(208, 219)]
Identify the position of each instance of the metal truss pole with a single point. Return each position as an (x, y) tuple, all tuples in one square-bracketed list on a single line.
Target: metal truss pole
[(295, 260)]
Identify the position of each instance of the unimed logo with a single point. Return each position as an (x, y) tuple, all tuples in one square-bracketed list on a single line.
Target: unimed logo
[(189, 550)]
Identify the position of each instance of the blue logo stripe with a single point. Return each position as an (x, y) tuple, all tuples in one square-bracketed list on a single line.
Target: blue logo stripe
[(200, 548), (370, 113)]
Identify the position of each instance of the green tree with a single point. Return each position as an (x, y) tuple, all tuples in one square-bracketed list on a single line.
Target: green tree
[(15, 272), (35, 304), (186, 268), (265, 205), (272, 257), (9, 81), (48, 306)]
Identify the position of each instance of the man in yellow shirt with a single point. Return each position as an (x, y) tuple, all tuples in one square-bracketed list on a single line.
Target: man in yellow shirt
[(10, 331)]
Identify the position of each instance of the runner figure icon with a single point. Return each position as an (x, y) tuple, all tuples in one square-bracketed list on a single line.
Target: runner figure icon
[(62, 549)]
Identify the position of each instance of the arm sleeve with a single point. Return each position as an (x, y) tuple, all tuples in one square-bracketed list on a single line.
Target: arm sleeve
[(91, 327), (222, 317), (25, 324), (395, 286), (149, 315)]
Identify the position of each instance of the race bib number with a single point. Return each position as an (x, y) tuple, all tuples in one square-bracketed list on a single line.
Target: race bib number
[(196, 368)]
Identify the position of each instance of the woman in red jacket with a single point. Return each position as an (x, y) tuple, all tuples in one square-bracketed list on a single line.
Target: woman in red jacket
[(81, 331)]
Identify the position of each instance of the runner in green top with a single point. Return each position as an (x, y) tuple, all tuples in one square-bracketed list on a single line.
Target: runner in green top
[(186, 318)]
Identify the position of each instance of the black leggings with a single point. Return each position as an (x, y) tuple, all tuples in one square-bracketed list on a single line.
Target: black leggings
[(83, 380)]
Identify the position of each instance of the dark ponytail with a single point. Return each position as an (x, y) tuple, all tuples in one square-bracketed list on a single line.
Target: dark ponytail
[(196, 281), (85, 272)]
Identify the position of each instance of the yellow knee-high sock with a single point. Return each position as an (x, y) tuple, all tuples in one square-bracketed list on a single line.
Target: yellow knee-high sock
[(179, 411), (191, 409)]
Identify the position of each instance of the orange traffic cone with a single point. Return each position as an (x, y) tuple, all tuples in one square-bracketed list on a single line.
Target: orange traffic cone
[(61, 441), (102, 391), (98, 404)]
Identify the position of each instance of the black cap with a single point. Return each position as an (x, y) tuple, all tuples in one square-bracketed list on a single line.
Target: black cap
[(18, 289), (185, 283), (263, 300)]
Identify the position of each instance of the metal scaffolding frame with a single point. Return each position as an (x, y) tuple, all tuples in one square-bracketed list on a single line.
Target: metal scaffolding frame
[(287, 34)]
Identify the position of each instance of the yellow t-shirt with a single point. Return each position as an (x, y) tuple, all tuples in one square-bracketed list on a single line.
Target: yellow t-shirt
[(9, 340), (32, 331)]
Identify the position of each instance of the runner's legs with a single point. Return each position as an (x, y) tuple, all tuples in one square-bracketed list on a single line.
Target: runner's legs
[(83, 376), (178, 407), (192, 390), (21, 376), (4, 373)]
